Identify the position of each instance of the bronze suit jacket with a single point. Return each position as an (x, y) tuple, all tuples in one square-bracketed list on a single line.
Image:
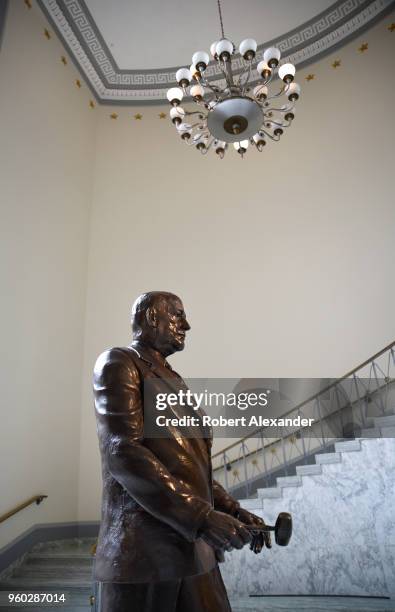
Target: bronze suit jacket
[(156, 492)]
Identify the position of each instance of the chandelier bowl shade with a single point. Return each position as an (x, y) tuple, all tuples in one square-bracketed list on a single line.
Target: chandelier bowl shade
[(235, 119)]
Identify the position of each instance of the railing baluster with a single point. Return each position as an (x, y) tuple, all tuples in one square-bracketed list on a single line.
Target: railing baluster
[(378, 387), (226, 472), (245, 468)]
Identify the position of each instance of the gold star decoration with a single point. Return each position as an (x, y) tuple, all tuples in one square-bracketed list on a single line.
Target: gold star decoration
[(91, 104), (47, 34), (162, 115), (391, 27), (336, 64), (114, 116), (310, 77), (138, 116), (363, 47), (63, 59), (78, 83), (28, 4)]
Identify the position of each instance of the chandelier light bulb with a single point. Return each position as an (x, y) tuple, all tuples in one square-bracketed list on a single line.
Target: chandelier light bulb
[(241, 147), (197, 92), (259, 140), (175, 95), (213, 48), (290, 115), (194, 71), (220, 148), (201, 142), (272, 56), (201, 60), (248, 48), (224, 50), (183, 77), (278, 130), (177, 114), (293, 92), (260, 92), (184, 130), (264, 70), (286, 72)]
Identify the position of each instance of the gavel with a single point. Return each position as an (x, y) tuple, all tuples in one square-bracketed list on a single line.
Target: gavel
[(282, 529)]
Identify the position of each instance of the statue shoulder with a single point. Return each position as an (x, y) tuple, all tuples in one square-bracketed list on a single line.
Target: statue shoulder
[(115, 358)]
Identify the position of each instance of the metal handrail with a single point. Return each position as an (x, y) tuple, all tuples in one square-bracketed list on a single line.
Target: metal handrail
[(309, 399), (35, 499), (267, 446)]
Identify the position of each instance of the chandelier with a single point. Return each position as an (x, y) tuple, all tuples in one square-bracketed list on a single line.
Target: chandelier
[(236, 113)]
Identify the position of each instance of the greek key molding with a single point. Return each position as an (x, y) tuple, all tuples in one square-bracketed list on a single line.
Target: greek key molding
[(75, 25)]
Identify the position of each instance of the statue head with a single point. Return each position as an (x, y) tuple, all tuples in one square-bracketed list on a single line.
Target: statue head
[(158, 319)]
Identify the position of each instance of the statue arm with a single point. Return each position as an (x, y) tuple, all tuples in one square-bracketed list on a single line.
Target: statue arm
[(223, 501), (120, 426)]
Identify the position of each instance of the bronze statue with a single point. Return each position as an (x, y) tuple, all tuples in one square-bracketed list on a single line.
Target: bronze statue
[(165, 521)]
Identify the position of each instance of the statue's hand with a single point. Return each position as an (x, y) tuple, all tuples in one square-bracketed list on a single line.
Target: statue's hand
[(260, 538), (222, 531)]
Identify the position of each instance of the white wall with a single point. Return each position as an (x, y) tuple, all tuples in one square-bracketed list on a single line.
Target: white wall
[(46, 154), (283, 259)]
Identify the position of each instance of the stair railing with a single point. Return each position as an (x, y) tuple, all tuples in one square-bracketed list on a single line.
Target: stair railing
[(37, 499), (368, 388)]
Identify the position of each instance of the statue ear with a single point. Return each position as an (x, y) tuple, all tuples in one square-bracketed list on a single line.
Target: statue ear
[(151, 317)]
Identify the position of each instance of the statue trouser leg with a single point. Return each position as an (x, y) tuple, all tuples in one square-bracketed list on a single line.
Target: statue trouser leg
[(202, 593)]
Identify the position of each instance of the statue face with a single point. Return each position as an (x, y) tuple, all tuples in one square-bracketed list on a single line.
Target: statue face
[(172, 325)]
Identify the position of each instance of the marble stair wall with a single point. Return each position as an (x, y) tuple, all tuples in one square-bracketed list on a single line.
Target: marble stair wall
[(344, 528)]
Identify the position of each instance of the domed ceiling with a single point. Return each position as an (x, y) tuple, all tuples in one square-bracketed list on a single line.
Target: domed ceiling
[(129, 51)]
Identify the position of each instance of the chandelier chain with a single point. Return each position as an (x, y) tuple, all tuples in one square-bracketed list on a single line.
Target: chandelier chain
[(220, 18)]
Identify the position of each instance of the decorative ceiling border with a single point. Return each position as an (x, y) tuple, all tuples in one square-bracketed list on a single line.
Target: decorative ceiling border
[(329, 30)]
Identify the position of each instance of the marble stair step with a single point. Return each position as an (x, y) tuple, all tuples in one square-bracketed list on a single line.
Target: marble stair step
[(71, 546), (53, 573), (325, 458), (41, 561), (60, 555), (388, 432), (385, 421), (36, 583), (251, 503), (370, 432), (289, 481), (308, 470), (270, 492), (348, 446)]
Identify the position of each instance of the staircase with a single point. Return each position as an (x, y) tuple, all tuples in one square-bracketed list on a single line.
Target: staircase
[(345, 410), (64, 566), (383, 427)]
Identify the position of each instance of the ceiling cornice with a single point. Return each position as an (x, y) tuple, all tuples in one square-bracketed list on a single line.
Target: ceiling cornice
[(76, 27)]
